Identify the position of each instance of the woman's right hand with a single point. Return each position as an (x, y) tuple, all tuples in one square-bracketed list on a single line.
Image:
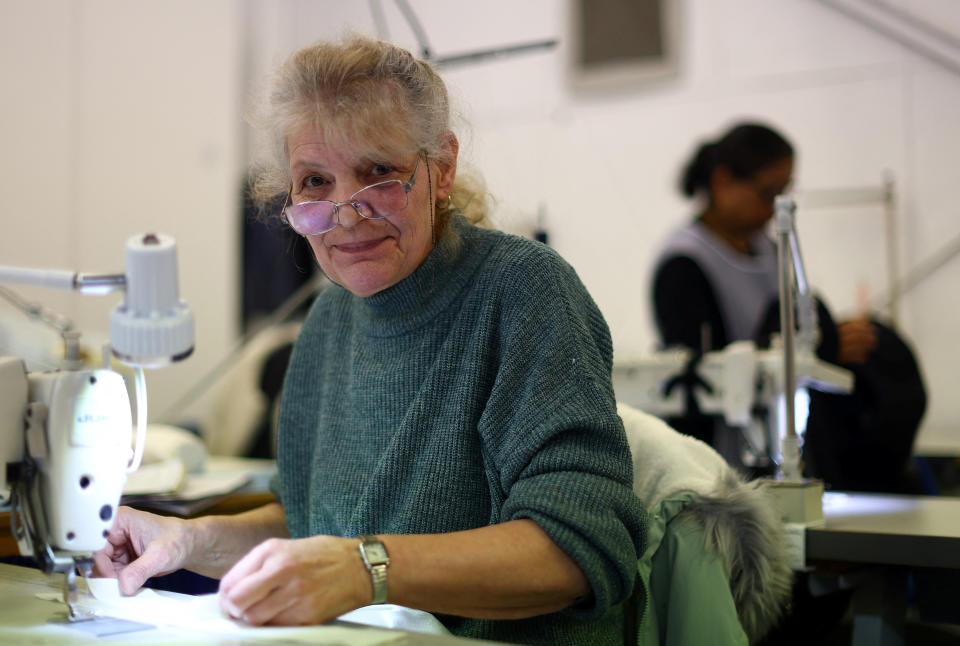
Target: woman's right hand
[(141, 545), (858, 340)]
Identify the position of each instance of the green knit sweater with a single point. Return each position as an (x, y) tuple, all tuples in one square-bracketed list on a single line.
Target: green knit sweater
[(475, 391)]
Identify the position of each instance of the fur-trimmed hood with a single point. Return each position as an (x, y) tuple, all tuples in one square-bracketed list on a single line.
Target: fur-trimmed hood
[(738, 518)]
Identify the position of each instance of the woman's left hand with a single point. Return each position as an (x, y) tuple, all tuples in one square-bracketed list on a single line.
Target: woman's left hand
[(296, 582), (858, 340)]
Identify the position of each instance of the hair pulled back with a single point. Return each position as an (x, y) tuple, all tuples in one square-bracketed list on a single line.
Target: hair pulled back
[(360, 92), (745, 149)]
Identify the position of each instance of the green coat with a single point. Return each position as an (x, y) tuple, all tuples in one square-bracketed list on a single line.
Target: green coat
[(686, 595)]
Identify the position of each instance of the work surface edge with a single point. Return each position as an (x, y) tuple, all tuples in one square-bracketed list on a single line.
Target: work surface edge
[(30, 580), (888, 529)]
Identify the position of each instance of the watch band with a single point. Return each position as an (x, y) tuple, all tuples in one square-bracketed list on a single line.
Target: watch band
[(375, 558)]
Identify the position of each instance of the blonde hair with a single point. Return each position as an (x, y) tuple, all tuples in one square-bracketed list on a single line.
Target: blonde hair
[(361, 90)]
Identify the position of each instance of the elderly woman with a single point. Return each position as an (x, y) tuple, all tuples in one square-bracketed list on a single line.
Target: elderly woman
[(448, 436)]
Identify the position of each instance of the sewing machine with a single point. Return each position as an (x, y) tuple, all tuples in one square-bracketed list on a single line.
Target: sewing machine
[(741, 384), (66, 442), (754, 390)]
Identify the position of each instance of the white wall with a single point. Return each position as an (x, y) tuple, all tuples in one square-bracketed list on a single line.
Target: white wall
[(856, 104), (121, 117)]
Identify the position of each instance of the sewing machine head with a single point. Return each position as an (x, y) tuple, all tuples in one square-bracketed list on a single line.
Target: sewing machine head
[(66, 435)]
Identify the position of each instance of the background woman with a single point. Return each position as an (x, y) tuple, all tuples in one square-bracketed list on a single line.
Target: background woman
[(716, 282)]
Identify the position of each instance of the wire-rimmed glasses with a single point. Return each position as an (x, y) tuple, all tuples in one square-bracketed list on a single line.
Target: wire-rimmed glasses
[(374, 202)]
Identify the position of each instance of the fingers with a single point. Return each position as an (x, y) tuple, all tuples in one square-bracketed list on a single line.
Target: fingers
[(247, 582), (291, 582), (249, 564), (271, 608), (154, 561), (140, 546), (858, 329), (103, 565), (118, 551), (858, 339), (284, 600)]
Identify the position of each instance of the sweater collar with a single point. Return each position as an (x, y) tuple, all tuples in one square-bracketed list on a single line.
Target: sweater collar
[(429, 290)]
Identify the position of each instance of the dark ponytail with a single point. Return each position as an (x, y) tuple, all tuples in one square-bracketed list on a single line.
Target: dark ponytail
[(696, 176)]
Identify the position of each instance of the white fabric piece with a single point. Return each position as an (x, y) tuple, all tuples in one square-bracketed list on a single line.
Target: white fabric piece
[(202, 615), (387, 615), (238, 403), (164, 477), (658, 449), (165, 442)]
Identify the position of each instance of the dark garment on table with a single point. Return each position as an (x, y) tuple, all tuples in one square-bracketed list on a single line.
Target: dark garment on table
[(861, 441), (864, 441)]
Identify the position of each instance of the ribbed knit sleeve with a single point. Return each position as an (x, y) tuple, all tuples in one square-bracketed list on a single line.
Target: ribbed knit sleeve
[(551, 428)]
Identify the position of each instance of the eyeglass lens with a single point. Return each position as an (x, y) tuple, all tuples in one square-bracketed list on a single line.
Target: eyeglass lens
[(373, 202)]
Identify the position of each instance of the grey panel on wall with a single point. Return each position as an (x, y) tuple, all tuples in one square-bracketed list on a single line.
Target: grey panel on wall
[(616, 44)]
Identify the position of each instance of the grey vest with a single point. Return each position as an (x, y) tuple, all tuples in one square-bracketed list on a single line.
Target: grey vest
[(744, 286)]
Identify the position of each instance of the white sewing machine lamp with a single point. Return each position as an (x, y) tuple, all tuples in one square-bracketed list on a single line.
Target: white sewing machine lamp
[(152, 327)]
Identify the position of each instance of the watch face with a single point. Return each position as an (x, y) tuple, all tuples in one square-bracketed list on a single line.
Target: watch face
[(375, 552)]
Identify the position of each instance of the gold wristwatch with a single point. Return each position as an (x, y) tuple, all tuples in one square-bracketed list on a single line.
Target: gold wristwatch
[(374, 555)]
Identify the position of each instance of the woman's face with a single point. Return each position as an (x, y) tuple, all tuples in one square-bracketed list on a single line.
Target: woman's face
[(365, 256), (746, 205)]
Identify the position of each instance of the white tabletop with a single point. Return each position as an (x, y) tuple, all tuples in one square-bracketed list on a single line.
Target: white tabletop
[(937, 442), (26, 616), (919, 531)]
